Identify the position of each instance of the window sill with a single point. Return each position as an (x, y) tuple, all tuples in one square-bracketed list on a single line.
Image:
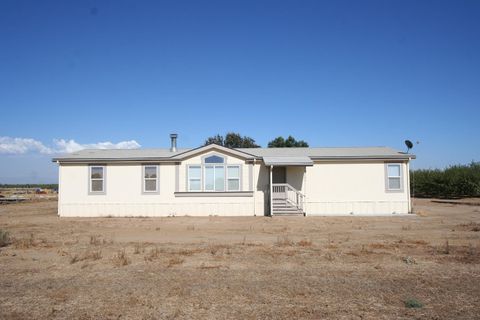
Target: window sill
[(215, 194), (393, 190)]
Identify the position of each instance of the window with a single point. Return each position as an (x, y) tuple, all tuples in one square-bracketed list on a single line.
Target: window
[(194, 178), (97, 179), (150, 179), (394, 176), (214, 178), (233, 178), (214, 159), (213, 175)]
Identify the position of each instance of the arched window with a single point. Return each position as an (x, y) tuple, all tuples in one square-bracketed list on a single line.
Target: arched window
[(214, 175), (214, 159)]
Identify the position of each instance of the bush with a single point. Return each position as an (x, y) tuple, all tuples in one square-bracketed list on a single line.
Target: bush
[(4, 238), (453, 182), (413, 303)]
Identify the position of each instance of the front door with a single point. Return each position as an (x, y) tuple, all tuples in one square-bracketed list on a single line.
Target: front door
[(279, 175)]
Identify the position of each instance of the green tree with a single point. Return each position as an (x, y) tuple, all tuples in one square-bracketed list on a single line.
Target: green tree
[(217, 139), (290, 142), (453, 182), (232, 140)]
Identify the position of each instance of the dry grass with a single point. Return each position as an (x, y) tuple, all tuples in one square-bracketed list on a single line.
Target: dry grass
[(24, 243), (153, 254), (95, 240), (305, 243), (241, 268), (471, 226), (88, 255), (175, 261), (284, 241), (446, 249), (120, 259), (138, 248)]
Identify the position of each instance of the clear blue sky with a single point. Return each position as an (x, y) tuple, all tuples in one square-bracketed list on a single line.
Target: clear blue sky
[(336, 73)]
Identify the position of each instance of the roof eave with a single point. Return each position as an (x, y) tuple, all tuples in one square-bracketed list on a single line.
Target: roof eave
[(85, 160), (364, 157)]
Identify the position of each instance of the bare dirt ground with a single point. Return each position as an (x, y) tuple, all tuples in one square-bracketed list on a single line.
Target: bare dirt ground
[(241, 268)]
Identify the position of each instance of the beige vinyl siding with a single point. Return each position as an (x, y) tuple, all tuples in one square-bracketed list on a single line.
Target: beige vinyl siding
[(125, 196), (352, 187), (331, 188)]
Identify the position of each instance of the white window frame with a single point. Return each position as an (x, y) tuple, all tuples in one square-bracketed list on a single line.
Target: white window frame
[(399, 177), (228, 178), (196, 179), (144, 179), (90, 179), (203, 181), (214, 166)]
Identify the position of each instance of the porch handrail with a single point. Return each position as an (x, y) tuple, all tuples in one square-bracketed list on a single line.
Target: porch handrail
[(284, 191)]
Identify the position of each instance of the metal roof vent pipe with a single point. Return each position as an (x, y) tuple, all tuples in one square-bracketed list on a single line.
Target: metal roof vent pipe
[(173, 138)]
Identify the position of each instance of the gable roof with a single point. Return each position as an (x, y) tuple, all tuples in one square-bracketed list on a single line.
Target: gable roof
[(107, 155), (242, 153)]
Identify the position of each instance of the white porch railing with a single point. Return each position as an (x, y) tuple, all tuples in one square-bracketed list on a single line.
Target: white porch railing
[(285, 192)]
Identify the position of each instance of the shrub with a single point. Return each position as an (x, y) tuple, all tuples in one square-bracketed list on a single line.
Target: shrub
[(4, 238), (453, 182), (413, 303)]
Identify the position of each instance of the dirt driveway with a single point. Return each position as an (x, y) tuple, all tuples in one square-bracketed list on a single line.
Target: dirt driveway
[(241, 268)]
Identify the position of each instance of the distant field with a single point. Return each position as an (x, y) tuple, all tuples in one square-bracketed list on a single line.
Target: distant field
[(30, 193), (410, 267)]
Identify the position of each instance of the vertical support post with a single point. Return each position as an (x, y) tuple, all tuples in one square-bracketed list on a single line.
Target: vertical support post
[(304, 190), (59, 193), (271, 190), (251, 186), (408, 188)]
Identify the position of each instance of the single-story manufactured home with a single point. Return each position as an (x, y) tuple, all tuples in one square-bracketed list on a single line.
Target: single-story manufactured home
[(215, 180)]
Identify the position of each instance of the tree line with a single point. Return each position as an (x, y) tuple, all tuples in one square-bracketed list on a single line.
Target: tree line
[(457, 181), (236, 140)]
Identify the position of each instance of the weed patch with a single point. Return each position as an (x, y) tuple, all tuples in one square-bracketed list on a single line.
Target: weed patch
[(304, 243), (175, 261), (413, 303), (283, 241), (153, 254), (4, 238), (24, 243), (120, 259), (88, 255)]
